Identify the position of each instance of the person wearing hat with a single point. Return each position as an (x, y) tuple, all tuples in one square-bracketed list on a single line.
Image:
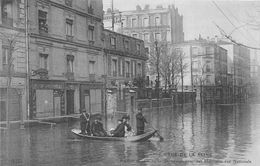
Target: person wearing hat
[(120, 129), (128, 128), (84, 122), (97, 128), (140, 122)]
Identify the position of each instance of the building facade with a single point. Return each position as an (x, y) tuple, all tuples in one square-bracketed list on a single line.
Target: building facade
[(66, 57), (238, 68), (12, 60), (164, 25), (206, 70)]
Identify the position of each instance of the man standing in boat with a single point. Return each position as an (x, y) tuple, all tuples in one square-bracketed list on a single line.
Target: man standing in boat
[(140, 122), (84, 122)]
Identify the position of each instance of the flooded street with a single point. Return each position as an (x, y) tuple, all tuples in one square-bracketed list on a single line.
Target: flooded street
[(213, 135)]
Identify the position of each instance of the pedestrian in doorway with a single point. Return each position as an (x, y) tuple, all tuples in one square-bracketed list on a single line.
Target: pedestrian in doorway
[(140, 122)]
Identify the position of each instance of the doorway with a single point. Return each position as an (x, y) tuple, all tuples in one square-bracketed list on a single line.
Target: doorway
[(70, 102)]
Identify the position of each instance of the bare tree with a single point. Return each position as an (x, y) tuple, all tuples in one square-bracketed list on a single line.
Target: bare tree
[(11, 41)]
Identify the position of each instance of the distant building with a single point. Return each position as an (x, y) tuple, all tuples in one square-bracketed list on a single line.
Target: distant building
[(66, 57), (12, 56), (254, 73), (125, 57), (207, 68), (238, 67), (164, 25)]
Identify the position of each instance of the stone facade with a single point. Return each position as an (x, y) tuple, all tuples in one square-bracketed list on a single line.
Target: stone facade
[(66, 58), (13, 56)]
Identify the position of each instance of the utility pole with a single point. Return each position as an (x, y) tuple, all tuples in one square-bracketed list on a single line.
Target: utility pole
[(158, 72), (27, 60)]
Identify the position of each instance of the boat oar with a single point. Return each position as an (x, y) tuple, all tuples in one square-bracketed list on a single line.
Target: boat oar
[(161, 138)]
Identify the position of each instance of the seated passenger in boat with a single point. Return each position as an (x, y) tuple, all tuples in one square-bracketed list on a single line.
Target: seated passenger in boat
[(120, 130), (97, 128), (128, 128)]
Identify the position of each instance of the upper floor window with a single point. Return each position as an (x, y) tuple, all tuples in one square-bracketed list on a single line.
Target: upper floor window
[(145, 22), (91, 67), (133, 69), (113, 42), (147, 37), (135, 35), (126, 44), (69, 27), (91, 32), (195, 51), (43, 61), (7, 12), (5, 53), (43, 25), (138, 48), (134, 22), (157, 36), (139, 69), (123, 22), (157, 21), (114, 67), (127, 68), (70, 61), (168, 37), (68, 2)]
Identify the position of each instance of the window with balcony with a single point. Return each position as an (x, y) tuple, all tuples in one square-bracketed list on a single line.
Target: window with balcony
[(134, 22), (147, 37), (42, 19), (114, 67), (113, 42), (157, 37), (69, 27), (157, 21), (91, 31), (7, 12), (127, 69), (70, 61), (145, 22)]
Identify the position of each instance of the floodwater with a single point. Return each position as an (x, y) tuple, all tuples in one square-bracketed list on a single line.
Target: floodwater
[(213, 135)]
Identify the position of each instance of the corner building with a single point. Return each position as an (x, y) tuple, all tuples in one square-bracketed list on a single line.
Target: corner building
[(66, 59)]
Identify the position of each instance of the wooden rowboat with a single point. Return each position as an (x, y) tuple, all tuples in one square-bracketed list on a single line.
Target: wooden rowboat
[(138, 138)]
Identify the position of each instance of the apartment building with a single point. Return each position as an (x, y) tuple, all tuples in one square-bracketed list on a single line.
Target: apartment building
[(66, 58)]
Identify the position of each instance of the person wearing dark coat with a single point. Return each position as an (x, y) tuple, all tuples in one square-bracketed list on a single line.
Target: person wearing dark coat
[(126, 123), (97, 128), (120, 130), (140, 122), (85, 122)]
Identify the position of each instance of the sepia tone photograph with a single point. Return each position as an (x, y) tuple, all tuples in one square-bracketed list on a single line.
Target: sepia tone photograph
[(129, 82)]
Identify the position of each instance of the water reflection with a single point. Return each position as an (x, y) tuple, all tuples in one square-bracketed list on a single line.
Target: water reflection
[(191, 134)]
